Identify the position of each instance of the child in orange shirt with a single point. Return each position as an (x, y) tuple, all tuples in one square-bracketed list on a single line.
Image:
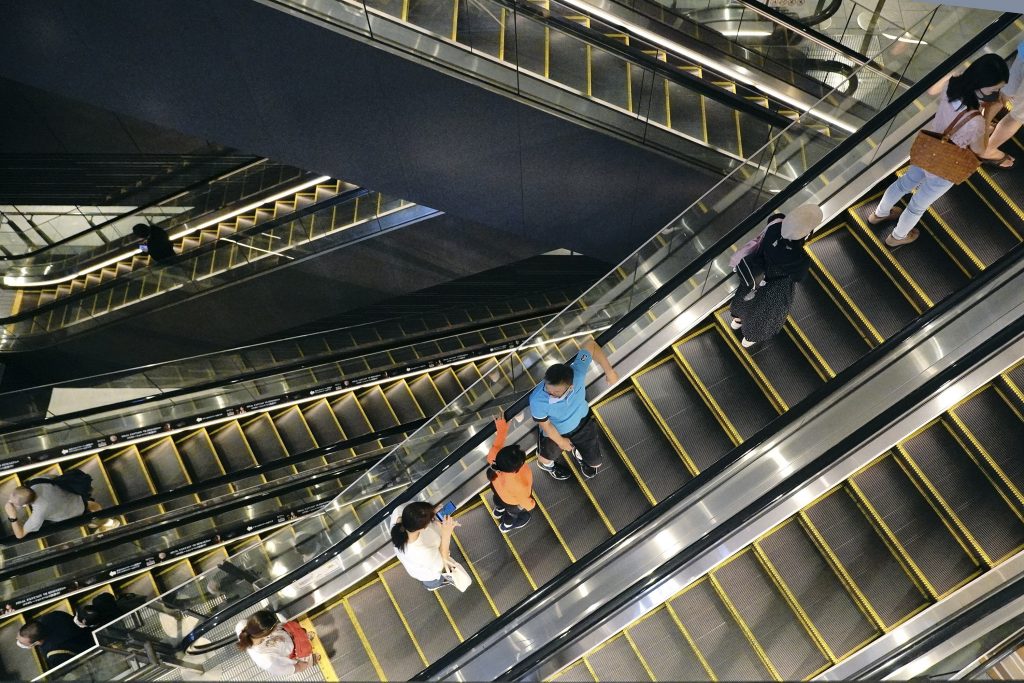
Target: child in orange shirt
[(512, 481)]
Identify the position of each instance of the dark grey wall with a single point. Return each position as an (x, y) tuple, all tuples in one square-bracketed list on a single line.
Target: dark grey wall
[(259, 80)]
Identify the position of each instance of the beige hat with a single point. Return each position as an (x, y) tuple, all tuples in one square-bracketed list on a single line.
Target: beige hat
[(801, 221)]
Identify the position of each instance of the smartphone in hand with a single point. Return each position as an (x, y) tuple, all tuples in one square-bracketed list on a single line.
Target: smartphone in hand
[(447, 511)]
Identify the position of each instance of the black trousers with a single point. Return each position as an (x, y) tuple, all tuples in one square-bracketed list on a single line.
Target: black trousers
[(585, 438)]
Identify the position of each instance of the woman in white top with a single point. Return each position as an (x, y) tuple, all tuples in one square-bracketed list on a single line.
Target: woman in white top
[(979, 83), (421, 543), (1013, 95), (263, 636)]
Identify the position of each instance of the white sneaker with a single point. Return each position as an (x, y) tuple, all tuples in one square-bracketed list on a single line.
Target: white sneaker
[(747, 343), (736, 323)]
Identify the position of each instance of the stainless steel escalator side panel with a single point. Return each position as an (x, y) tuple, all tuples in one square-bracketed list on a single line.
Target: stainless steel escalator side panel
[(882, 385), (948, 608)]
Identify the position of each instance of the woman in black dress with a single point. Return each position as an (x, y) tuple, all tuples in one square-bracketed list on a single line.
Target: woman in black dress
[(769, 275)]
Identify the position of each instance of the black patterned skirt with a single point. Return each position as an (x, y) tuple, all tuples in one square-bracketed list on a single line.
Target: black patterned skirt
[(764, 315)]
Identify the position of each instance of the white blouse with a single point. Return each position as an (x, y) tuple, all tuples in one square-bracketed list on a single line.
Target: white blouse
[(422, 557), (272, 654)]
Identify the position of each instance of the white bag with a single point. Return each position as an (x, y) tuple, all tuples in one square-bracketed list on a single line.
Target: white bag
[(459, 577)]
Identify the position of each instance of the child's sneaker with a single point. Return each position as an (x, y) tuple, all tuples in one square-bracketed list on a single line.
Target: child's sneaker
[(498, 512), (518, 524)]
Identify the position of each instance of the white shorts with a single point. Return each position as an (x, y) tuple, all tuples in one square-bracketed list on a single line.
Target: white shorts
[(1014, 89)]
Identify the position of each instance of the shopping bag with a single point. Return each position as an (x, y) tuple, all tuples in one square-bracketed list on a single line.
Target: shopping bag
[(301, 647), (459, 577), (935, 153)]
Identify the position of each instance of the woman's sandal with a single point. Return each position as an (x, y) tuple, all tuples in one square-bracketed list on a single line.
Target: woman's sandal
[(998, 162)]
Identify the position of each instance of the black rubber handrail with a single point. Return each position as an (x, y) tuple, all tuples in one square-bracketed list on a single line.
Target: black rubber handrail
[(161, 200), (745, 227), (636, 56), (197, 487), (190, 255), (627, 534), (194, 512)]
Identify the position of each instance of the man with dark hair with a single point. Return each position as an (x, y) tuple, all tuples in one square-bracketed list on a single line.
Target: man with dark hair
[(57, 637), (559, 405), (157, 244)]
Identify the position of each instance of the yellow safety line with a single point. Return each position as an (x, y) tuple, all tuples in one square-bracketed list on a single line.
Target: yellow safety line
[(362, 638), (589, 494), (401, 615), (890, 258), (501, 34), (326, 667), (988, 458), (476, 575), (680, 451), (747, 361), (455, 19), (690, 641), (622, 453), (702, 390), (731, 608), (1010, 382), (640, 657), (508, 541), (1013, 206), (808, 350), (934, 215), (448, 614), (590, 668), (554, 529), (834, 286)]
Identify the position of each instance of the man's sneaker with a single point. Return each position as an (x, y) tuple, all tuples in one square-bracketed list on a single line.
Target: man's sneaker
[(447, 582), (518, 524), (557, 470), (498, 512), (588, 471)]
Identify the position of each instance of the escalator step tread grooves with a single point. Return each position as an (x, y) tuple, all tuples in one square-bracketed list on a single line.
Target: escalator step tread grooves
[(915, 524), (164, 466), (864, 281), (755, 134), (384, 631), (615, 660), (786, 643), (426, 396), (877, 574), (341, 643), (524, 44), (971, 496), (926, 264), (997, 428), (728, 382), (127, 477), (665, 649), (781, 362), (571, 512), (422, 612), (614, 488), (686, 415), (478, 29), (447, 385), (492, 558), (469, 610), (816, 588), (402, 403), (376, 408), (646, 446), (350, 417), (717, 635), (972, 221), (538, 547)]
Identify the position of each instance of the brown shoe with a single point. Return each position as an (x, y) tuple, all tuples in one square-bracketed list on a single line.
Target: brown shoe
[(893, 215), (911, 236)]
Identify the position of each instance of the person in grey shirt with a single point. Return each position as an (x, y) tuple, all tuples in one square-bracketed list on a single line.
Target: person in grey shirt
[(49, 503)]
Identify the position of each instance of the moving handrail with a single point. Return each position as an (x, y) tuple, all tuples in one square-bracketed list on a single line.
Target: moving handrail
[(639, 309)]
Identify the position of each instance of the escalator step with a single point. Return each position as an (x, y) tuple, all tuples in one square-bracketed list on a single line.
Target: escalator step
[(479, 27), (352, 418), (927, 264), (537, 546), (687, 112), (723, 127), (870, 288), (422, 612), (401, 400), (469, 610), (341, 643), (609, 78), (969, 493), (784, 640), (915, 524), (294, 431), (497, 568), (754, 134), (447, 384), (782, 364), (377, 410), (568, 61), (816, 588), (727, 381), (165, 466), (717, 635), (525, 44), (643, 444), (858, 548), (967, 216), (614, 488), (998, 430), (616, 660), (323, 424), (436, 17), (571, 512), (384, 632), (686, 415), (427, 395), (665, 649)]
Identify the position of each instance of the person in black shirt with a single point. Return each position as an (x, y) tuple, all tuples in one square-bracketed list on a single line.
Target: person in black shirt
[(57, 637), (157, 244)]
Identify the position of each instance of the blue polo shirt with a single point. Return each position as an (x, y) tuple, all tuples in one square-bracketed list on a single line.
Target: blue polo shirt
[(568, 411)]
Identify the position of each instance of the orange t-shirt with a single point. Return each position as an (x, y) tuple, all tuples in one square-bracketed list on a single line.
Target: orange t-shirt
[(515, 488)]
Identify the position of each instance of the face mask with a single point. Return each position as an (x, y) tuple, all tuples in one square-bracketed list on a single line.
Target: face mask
[(23, 646), (991, 97), (558, 399)]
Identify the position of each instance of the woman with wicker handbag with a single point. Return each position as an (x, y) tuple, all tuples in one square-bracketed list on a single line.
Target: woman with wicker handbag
[(948, 151)]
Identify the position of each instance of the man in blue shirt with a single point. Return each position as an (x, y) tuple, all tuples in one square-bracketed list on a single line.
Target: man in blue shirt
[(559, 405)]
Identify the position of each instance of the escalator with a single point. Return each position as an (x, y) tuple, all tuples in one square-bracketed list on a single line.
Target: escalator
[(675, 418), (246, 467), (928, 516)]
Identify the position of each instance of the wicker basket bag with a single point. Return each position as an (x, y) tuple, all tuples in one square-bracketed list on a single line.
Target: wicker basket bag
[(936, 154)]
